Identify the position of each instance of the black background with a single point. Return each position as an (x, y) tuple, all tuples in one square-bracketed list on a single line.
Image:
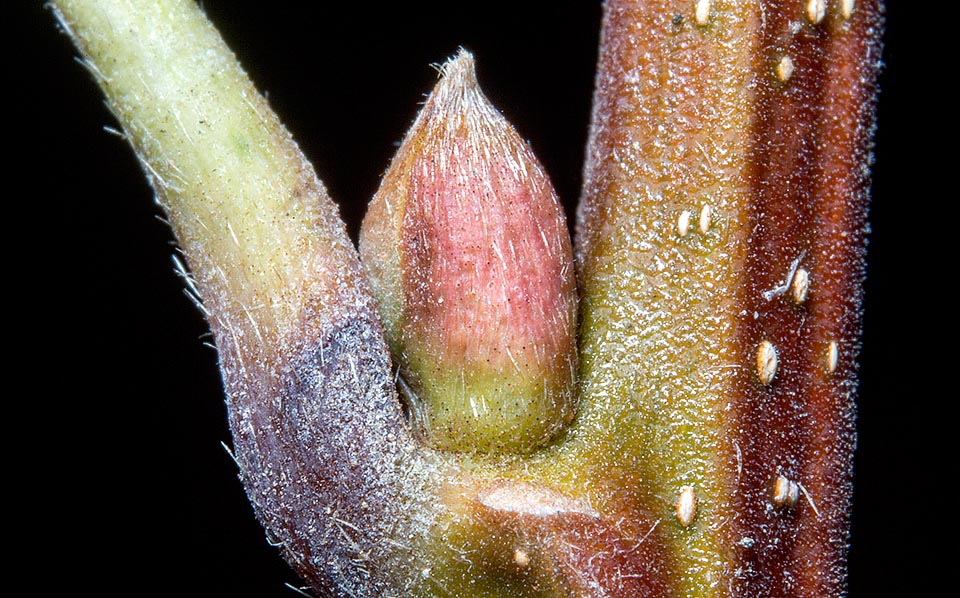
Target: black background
[(120, 477)]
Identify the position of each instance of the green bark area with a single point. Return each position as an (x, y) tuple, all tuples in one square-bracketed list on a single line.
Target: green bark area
[(245, 205)]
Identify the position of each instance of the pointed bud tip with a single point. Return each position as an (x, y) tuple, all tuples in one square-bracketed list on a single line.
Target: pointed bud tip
[(458, 108), (460, 69)]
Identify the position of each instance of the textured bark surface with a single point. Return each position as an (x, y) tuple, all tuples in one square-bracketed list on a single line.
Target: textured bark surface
[(810, 156), (722, 240)]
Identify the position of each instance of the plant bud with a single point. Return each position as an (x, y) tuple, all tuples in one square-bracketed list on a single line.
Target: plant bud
[(468, 252)]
